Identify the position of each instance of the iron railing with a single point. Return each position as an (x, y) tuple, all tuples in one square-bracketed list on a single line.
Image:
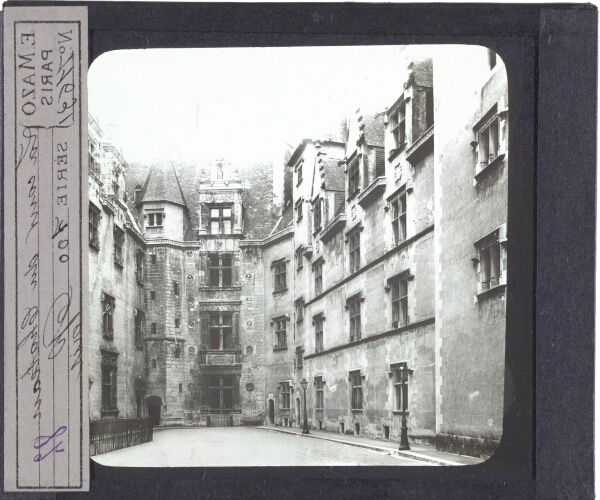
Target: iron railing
[(110, 435)]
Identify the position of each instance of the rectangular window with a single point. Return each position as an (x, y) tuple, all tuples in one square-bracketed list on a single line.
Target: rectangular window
[(153, 329), (354, 246), (221, 331), (140, 325), (154, 363), (119, 243), (299, 210), (319, 393), (400, 303), (221, 393), (108, 309), (398, 124), (94, 226), (153, 258), (177, 322), (279, 270), (356, 383), (175, 288), (299, 309), (490, 271), (354, 310), (139, 265), (299, 261), (220, 270), (109, 381), (353, 177), (152, 295), (180, 388), (285, 395), (155, 219), (318, 278), (94, 165), (399, 218), (280, 333), (299, 174), (488, 143), (317, 214), (221, 220), (177, 352), (400, 373), (318, 333), (299, 357)]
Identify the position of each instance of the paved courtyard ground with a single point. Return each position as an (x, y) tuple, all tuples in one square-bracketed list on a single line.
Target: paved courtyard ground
[(243, 446)]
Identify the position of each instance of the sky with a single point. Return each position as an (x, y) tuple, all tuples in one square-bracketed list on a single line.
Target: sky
[(238, 104)]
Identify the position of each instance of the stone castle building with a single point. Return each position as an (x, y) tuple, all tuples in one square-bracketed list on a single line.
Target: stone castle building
[(381, 281)]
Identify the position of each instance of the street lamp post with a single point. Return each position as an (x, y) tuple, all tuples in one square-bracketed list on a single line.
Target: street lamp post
[(304, 384)]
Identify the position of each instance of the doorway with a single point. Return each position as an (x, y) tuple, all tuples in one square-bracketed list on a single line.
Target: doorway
[(271, 412), (154, 403)]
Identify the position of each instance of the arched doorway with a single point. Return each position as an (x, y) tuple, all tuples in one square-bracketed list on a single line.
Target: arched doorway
[(271, 412), (298, 413), (154, 403)]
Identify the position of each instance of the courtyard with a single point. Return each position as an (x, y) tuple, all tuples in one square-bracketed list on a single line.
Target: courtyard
[(244, 447)]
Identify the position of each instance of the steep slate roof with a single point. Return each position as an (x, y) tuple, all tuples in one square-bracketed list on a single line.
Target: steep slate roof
[(374, 129), (339, 204), (162, 184), (335, 178), (421, 72)]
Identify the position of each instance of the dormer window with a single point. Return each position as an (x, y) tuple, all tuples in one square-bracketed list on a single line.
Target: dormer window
[(398, 126), (353, 177), (221, 220)]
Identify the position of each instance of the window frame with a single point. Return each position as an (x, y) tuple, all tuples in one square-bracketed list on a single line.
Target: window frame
[(319, 393), (354, 318), (221, 328), (118, 246), (108, 309), (299, 303), (354, 176), (139, 265), (400, 302), (299, 357), (299, 214), (354, 250), (286, 395), (299, 260), (488, 262), (318, 322), (400, 379), (154, 217), (280, 329), (398, 214), (220, 219), (398, 125), (221, 388), (318, 270), (356, 398), (94, 215), (279, 275), (109, 366), (318, 214), (221, 269), (140, 327)]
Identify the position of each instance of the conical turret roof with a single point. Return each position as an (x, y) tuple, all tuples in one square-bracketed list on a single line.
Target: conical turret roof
[(162, 184)]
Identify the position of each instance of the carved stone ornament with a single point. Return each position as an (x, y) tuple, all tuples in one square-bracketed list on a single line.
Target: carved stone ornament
[(249, 324), (248, 277), (220, 359), (190, 278), (250, 387), (189, 253), (219, 308), (353, 212), (190, 301), (219, 244), (109, 359), (192, 350), (190, 387), (249, 349), (191, 324)]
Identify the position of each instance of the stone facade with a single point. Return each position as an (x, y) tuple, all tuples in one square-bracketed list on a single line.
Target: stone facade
[(381, 282)]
